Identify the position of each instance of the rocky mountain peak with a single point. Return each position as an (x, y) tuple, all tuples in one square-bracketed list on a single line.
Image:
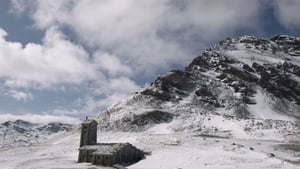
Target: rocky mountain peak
[(244, 77)]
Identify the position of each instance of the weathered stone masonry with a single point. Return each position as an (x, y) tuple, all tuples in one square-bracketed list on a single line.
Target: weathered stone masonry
[(105, 154)]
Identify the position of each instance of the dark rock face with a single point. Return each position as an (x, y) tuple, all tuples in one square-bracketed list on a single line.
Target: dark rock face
[(19, 125), (288, 44), (143, 121), (175, 83), (23, 123), (277, 79), (55, 127), (152, 117)]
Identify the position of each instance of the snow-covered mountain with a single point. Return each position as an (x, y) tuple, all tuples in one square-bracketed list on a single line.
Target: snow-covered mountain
[(239, 87), (235, 106), (24, 133)]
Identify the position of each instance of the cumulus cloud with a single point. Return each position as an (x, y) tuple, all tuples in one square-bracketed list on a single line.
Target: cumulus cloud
[(18, 95), (21, 96), (56, 61), (128, 39), (92, 104), (126, 85), (17, 6), (111, 65), (89, 105), (149, 35), (111, 91), (287, 12)]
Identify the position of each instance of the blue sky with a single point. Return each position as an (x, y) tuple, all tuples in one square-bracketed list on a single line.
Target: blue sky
[(77, 57)]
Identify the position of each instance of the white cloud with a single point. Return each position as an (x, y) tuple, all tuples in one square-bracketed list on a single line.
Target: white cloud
[(120, 85), (58, 62), (105, 93), (111, 64), (21, 96), (55, 62), (17, 6), (287, 12), (98, 104), (90, 106), (132, 38), (149, 35)]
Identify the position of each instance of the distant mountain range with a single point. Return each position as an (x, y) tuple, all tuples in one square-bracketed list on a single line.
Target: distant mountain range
[(23, 133), (240, 85)]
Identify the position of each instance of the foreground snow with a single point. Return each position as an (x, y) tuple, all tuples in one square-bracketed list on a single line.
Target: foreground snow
[(168, 151)]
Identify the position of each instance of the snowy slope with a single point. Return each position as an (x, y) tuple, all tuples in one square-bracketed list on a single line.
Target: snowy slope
[(168, 151), (241, 87)]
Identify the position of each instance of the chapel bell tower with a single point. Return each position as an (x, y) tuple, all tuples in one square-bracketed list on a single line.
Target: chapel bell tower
[(88, 132)]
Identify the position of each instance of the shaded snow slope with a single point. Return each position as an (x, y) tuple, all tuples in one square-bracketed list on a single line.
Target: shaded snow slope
[(239, 87)]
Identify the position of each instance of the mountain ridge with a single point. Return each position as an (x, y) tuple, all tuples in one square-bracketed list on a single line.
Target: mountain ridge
[(23, 133), (238, 80)]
